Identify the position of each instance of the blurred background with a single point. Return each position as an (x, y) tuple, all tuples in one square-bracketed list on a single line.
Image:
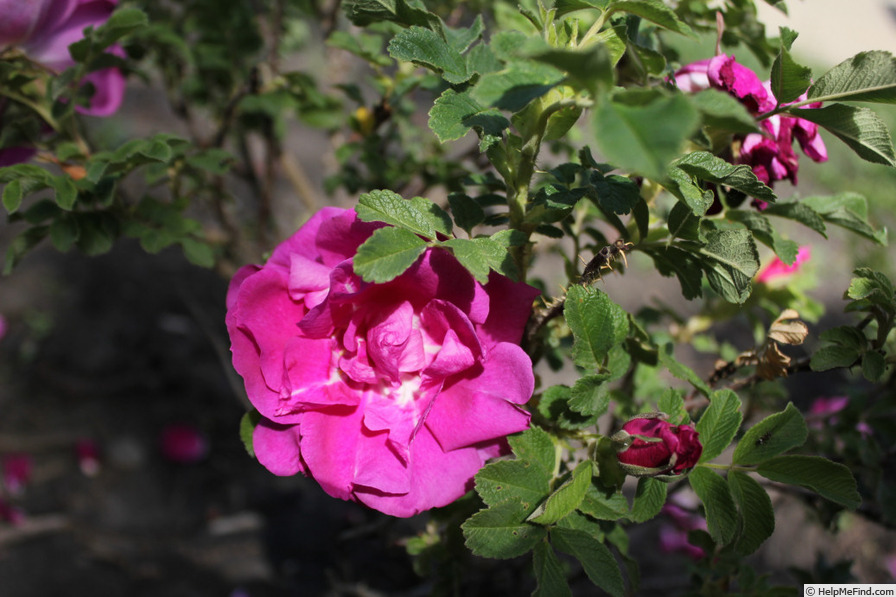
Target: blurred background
[(123, 470)]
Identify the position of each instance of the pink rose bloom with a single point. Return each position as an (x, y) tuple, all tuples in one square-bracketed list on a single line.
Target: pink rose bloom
[(770, 154), (393, 395), (779, 269), (674, 537), (44, 29), (658, 447)]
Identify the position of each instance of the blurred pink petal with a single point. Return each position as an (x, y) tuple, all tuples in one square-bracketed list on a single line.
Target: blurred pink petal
[(183, 443), (779, 269)]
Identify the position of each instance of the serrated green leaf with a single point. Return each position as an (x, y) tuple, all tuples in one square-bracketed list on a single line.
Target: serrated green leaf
[(550, 575), (650, 496), (566, 498), (860, 128), (387, 254), (732, 261), (834, 357), (721, 513), (596, 559), (642, 132), (680, 370), (597, 324), (590, 68), (651, 10), (847, 210), (461, 39), (722, 111), (479, 256), (719, 423), (435, 217), (454, 113), (757, 514), (866, 77), (671, 403), (764, 232), (248, 423), (706, 166), (789, 80), (513, 87), (589, 395), (799, 212), (12, 196), (402, 12), (771, 436), (198, 252), (427, 48), (535, 445), (873, 366), (672, 261), (520, 480), (391, 208), (600, 504), (467, 213), (501, 531), (97, 233), (831, 480), (615, 193), (553, 405)]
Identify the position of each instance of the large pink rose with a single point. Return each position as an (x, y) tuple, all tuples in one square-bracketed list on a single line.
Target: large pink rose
[(393, 395), (770, 154), (44, 29)]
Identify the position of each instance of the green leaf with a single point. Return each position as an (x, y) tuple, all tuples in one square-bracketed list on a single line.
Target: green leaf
[(680, 370), (721, 513), (651, 10), (589, 395), (597, 324), (765, 233), (520, 480), (672, 261), (454, 113), (198, 252), (671, 403), (427, 48), (732, 261), (860, 128), (513, 87), (650, 496), (643, 131), (248, 424), (722, 111), (467, 213), (771, 436), (589, 68), (866, 77), (847, 210), (706, 166), (549, 573), (789, 80), (566, 498), (604, 506), (501, 531), (66, 191), (596, 559), (435, 216), (402, 12), (12, 195), (480, 255), (799, 212), (461, 39), (757, 514), (536, 446), (64, 232), (391, 208), (387, 254), (719, 423), (618, 194), (831, 480)]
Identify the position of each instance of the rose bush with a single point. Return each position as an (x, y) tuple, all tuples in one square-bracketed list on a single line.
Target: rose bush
[(770, 154), (653, 446), (393, 395)]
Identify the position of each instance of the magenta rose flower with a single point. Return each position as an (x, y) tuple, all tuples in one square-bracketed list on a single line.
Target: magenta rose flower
[(652, 446), (770, 154), (393, 395), (778, 269)]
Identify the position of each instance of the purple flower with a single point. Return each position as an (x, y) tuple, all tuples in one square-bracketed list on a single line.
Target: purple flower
[(393, 395), (770, 154)]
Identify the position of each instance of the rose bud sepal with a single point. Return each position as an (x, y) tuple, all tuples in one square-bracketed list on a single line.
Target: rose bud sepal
[(649, 446)]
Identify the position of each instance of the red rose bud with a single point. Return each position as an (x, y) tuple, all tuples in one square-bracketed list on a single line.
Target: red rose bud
[(649, 446)]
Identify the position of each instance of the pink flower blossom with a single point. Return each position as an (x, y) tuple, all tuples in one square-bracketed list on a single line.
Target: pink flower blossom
[(393, 395), (770, 154), (16, 472), (658, 447), (779, 269), (183, 443)]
